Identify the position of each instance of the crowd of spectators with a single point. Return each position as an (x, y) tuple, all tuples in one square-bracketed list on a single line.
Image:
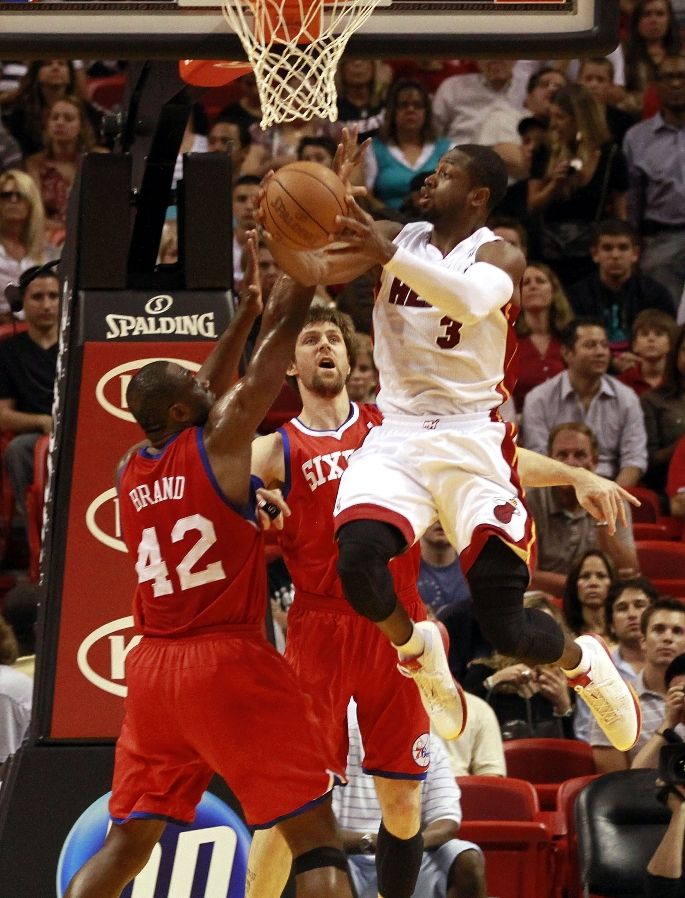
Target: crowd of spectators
[(596, 200)]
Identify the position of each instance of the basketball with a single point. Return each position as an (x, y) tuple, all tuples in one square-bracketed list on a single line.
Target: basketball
[(300, 204)]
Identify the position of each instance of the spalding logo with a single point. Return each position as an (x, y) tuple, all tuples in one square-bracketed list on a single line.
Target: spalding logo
[(119, 378), (211, 853), (105, 649), (158, 304)]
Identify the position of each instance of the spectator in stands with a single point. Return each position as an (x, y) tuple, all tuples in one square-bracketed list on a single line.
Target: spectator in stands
[(596, 74), (527, 701), (362, 85), (244, 204), (45, 81), (545, 312), (68, 135), (246, 109), (584, 392), (27, 373), (232, 139), (663, 638), (168, 244), (565, 531), (10, 153), (664, 873), (503, 128), (587, 587), (533, 132), (652, 337), (578, 177), (625, 604), (479, 750), (672, 726), (406, 144), (446, 595), (362, 384), (451, 867), (463, 102), (22, 231), (653, 35), (16, 695), (20, 608), (511, 230), (320, 149), (664, 411), (675, 483), (656, 200), (615, 292)]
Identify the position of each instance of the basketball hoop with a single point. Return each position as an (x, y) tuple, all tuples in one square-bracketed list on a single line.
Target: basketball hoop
[(294, 47)]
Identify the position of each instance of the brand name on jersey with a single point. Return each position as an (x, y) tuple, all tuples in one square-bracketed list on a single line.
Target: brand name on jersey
[(138, 325), (165, 488), (401, 295), (323, 468)]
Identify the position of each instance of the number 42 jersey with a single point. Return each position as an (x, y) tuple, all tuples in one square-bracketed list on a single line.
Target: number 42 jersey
[(199, 559)]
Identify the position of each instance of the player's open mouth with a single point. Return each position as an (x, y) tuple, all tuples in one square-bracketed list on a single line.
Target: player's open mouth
[(326, 363)]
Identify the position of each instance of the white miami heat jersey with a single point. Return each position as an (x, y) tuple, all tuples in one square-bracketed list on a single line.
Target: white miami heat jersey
[(428, 363)]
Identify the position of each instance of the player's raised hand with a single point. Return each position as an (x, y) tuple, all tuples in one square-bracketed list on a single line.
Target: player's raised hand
[(251, 291), (348, 159), (359, 231)]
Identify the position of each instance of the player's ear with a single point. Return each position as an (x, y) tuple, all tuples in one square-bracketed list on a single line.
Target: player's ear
[(480, 196), (292, 370), (179, 412)]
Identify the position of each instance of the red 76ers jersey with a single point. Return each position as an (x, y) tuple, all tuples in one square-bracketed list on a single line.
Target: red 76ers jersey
[(314, 463), (199, 559)]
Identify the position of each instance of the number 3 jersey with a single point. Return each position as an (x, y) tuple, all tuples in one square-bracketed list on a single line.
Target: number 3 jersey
[(199, 559), (428, 363)]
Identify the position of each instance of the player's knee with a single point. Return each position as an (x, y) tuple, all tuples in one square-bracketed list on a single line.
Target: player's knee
[(364, 552), (319, 858), (401, 806), (466, 877)]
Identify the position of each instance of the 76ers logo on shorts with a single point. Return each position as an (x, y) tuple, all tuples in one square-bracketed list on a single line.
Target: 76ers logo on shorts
[(421, 750)]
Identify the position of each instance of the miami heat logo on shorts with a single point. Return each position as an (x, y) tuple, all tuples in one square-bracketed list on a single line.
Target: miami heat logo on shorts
[(506, 510), (421, 750)]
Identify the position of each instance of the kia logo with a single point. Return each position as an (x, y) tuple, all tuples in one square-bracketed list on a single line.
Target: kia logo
[(158, 304), (107, 649), (110, 390), (105, 525)]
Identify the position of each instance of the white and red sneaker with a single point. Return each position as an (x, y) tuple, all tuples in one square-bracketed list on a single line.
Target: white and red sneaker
[(613, 702), (441, 695)]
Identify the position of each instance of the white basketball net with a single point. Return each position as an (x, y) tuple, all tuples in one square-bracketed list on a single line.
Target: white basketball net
[(296, 80)]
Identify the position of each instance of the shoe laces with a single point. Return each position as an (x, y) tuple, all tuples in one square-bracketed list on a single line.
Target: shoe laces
[(600, 704)]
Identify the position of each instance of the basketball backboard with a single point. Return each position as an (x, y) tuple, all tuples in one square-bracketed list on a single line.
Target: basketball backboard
[(172, 29)]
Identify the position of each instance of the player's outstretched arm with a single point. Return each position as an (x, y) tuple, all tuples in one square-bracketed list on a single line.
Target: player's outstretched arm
[(221, 365), (235, 417), (469, 297), (602, 498)]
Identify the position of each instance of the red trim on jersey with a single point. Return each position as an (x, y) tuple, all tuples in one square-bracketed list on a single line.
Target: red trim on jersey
[(480, 536), (510, 366), (367, 511)]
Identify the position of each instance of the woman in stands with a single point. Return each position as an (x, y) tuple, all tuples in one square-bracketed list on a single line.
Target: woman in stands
[(406, 144), (45, 81), (545, 311), (578, 177), (528, 701), (362, 85), (653, 34), (587, 587), (22, 231), (68, 135)]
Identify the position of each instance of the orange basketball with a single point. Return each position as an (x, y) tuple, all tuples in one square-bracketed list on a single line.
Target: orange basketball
[(300, 204)]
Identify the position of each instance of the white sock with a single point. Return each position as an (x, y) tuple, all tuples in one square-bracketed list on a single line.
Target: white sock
[(413, 646), (583, 665)]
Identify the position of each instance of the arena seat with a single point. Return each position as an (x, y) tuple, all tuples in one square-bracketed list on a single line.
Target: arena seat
[(501, 816), (660, 559), (650, 509), (567, 884), (35, 500), (546, 763), (619, 824), (107, 93)]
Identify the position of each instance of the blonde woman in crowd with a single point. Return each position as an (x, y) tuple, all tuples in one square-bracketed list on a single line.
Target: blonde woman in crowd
[(22, 231)]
